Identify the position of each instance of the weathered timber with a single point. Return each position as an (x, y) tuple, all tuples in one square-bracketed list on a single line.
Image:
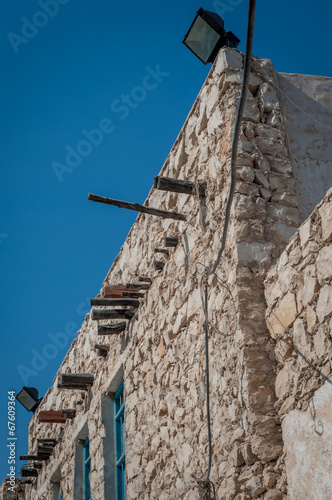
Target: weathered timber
[(37, 465), (115, 302), (170, 242), (44, 450), (138, 286), (144, 279), (161, 250), (112, 329), (136, 207), (75, 380), (43, 456), (158, 265), (174, 185), (52, 417), (28, 457), (133, 294), (113, 291), (97, 314), (49, 441), (28, 472)]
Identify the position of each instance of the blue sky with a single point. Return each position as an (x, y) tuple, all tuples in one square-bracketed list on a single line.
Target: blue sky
[(64, 79)]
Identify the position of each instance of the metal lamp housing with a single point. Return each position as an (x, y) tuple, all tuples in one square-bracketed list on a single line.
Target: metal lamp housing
[(207, 35), (28, 397)]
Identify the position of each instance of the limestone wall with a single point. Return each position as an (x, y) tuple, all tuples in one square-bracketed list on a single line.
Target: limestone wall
[(299, 317), (161, 355)]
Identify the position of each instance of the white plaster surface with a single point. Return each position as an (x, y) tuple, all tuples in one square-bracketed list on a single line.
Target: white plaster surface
[(308, 446), (310, 137)]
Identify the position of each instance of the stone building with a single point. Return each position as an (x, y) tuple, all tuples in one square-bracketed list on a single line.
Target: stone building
[(270, 309)]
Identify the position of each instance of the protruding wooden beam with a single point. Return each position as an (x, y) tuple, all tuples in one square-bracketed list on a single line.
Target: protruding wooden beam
[(138, 286), (52, 417), (75, 380), (133, 294), (37, 465), (158, 265), (97, 314), (115, 302), (170, 242), (144, 279), (174, 185), (136, 207), (28, 472), (113, 291), (28, 457), (49, 441), (112, 329), (161, 250)]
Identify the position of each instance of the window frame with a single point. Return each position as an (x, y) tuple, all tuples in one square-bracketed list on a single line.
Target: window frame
[(120, 452)]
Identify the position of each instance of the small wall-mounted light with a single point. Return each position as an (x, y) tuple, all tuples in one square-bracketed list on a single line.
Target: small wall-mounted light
[(207, 35), (28, 397)]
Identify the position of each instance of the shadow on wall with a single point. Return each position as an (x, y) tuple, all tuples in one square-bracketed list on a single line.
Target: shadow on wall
[(309, 131)]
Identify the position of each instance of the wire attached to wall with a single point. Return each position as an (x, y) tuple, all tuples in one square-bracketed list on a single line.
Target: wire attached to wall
[(206, 486)]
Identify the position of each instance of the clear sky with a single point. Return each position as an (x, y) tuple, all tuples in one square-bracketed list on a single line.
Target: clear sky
[(70, 67)]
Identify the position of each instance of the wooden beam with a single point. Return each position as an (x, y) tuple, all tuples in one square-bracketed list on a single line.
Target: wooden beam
[(97, 314), (144, 279), (174, 185), (28, 457), (133, 294), (112, 329), (170, 242), (52, 417), (138, 286), (161, 250), (115, 302), (28, 472), (158, 265), (37, 465), (75, 380), (136, 207), (113, 291), (50, 441)]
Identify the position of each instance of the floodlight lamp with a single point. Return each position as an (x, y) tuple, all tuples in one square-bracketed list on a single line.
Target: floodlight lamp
[(207, 35), (28, 397)]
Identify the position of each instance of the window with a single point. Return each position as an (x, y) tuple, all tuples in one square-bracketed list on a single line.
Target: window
[(120, 444), (86, 471)]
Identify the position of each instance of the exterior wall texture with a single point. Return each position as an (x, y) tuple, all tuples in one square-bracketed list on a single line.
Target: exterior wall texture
[(161, 356), (299, 316)]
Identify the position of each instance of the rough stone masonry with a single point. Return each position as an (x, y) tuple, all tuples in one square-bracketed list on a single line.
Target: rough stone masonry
[(259, 383)]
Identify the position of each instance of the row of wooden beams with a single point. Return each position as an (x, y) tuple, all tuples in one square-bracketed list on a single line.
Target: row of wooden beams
[(136, 207)]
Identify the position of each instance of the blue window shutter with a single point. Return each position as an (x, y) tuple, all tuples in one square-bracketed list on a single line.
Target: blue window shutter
[(86, 471)]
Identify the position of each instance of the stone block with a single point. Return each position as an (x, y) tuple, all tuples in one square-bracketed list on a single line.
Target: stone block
[(311, 318), (228, 58), (283, 316), (325, 213), (324, 304), (324, 264), (268, 97)]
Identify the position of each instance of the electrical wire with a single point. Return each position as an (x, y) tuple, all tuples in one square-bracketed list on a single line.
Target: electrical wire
[(206, 483)]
